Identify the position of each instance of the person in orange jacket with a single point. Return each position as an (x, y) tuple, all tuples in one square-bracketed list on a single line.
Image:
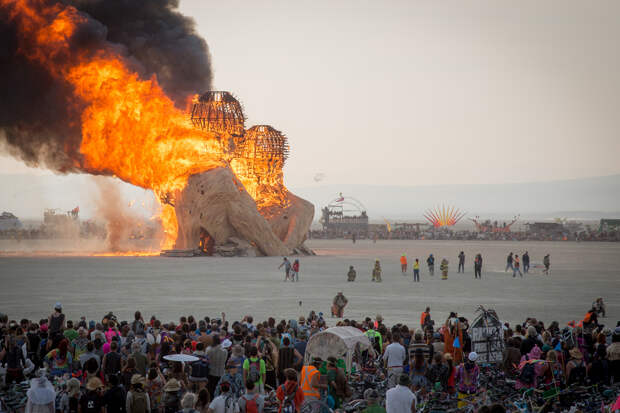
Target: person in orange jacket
[(403, 264)]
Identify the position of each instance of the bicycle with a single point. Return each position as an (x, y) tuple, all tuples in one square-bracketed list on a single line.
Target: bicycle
[(315, 406)]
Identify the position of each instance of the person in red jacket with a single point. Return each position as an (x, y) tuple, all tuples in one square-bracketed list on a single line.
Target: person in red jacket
[(289, 394), (295, 272)]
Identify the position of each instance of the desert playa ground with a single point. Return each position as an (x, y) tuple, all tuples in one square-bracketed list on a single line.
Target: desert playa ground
[(170, 287)]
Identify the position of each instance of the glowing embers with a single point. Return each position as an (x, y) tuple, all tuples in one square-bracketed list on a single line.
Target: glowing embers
[(218, 112), (258, 162), (264, 148), (443, 217)]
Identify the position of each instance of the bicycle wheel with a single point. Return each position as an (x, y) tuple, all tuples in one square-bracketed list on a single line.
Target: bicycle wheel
[(315, 406)]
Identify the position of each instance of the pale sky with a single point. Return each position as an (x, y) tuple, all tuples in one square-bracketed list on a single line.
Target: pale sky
[(423, 92)]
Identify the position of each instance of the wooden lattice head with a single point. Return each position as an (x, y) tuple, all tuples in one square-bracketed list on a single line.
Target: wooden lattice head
[(218, 112), (265, 142), (258, 162)]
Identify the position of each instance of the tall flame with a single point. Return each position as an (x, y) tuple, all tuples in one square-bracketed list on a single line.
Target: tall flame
[(130, 128)]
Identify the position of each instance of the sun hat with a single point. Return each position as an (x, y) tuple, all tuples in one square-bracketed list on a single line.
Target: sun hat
[(226, 343), (58, 306), (575, 353), (172, 386), (94, 383), (73, 387), (137, 379), (473, 356)]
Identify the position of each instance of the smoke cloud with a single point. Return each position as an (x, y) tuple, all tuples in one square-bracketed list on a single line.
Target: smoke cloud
[(161, 39), (36, 122), (113, 211)]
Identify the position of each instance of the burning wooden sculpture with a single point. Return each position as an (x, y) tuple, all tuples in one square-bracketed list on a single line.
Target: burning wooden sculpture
[(217, 184), (244, 207)]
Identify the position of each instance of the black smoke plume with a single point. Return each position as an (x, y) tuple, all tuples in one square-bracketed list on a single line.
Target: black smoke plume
[(36, 123)]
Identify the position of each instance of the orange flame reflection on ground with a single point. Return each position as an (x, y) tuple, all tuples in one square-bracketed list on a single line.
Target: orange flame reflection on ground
[(127, 254)]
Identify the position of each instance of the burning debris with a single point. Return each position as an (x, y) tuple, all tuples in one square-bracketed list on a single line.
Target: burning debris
[(258, 162), (111, 105)]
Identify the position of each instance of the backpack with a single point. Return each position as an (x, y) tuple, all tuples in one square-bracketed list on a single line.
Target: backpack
[(528, 374), (577, 374), (229, 405), (58, 400), (251, 406), (138, 402), (200, 369), (254, 373), (288, 404)]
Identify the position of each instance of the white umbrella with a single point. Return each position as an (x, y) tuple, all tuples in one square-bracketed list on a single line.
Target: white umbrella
[(181, 357)]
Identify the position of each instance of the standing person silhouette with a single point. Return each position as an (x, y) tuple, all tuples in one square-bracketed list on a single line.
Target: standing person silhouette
[(461, 262)]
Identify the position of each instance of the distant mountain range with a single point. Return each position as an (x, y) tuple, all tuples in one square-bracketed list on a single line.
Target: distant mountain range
[(589, 198)]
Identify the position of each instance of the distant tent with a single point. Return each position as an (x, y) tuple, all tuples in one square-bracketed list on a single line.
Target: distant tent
[(487, 336)]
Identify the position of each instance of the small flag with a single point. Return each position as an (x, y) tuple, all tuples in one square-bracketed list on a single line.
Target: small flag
[(558, 346), (456, 343)]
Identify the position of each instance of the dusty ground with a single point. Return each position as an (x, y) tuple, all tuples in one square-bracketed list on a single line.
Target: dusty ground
[(169, 287)]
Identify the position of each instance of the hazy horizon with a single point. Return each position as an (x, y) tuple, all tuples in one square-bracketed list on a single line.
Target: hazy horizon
[(27, 195), (409, 94)]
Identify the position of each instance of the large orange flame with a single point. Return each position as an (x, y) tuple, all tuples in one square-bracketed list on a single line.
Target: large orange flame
[(130, 128)]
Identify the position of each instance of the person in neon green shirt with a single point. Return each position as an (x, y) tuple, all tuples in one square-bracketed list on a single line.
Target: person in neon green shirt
[(376, 339), (254, 366)]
